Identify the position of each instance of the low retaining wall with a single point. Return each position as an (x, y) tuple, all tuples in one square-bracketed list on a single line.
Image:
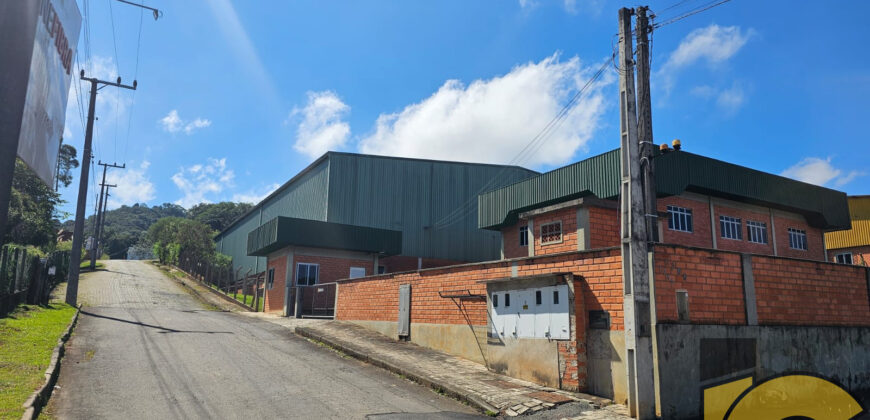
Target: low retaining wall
[(460, 326), (694, 357)]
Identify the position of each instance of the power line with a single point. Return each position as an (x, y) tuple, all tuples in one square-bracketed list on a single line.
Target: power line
[(700, 9), (529, 150), (135, 77)]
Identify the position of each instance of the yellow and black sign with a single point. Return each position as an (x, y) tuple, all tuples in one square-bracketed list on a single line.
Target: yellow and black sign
[(792, 395)]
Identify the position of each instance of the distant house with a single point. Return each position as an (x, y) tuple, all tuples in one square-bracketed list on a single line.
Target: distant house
[(64, 235), (852, 246)]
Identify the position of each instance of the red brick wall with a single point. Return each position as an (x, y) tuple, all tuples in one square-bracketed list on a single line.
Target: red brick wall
[(701, 236), (743, 245), (604, 224), (400, 263), (330, 270), (568, 217), (860, 254), (815, 241), (274, 300), (810, 293), (713, 279), (511, 239), (376, 298)]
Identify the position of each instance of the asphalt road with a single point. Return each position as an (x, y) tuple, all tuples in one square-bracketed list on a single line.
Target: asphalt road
[(144, 348)]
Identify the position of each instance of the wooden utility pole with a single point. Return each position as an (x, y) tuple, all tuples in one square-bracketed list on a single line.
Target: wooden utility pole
[(98, 220), (633, 231), (75, 258)]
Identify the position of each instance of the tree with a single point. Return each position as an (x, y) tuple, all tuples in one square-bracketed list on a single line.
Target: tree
[(176, 239), (66, 162), (218, 216), (31, 209)]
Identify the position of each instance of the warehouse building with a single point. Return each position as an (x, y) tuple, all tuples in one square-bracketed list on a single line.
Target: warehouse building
[(738, 281), (351, 214), (852, 246)]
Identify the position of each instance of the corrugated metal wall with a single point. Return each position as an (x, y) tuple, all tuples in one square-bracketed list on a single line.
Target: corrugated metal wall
[(859, 234), (305, 198), (433, 204)]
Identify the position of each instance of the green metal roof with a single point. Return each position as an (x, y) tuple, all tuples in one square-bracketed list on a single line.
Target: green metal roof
[(282, 231), (676, 172)]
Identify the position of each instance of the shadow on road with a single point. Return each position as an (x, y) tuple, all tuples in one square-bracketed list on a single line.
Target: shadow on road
[(164, 330)]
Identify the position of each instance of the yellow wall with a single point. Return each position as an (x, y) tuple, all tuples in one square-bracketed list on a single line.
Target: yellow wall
[(859, 235)]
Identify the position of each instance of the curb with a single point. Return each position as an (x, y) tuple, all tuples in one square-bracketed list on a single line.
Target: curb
[(39, 398), (419, 378)]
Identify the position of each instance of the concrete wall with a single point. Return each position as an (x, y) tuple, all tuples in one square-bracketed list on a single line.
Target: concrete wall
[(691, 357), (605, 354)]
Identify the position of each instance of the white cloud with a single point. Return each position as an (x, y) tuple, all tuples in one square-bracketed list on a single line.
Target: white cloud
[(255, 196), (111, 107), (172, 123), (196, 124), (133, 186), (321, 128), (731, 99), (820, 172), (714, 45), (528, 4), (493, 120), (200, 181)]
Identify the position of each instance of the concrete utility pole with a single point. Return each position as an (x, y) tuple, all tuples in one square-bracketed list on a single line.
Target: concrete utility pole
[(98, 224), (99, 218), (72, 287), (635, 248), (644, 125)]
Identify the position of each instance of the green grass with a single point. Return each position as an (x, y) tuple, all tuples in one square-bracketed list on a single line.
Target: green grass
[(178, 274), (86, 265), (27, 338)]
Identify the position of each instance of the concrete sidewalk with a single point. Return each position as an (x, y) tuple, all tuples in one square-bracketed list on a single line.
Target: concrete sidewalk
[(462, 379)]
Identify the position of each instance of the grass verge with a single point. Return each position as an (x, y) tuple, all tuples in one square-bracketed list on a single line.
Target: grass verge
[(86, 265), (27, 338)]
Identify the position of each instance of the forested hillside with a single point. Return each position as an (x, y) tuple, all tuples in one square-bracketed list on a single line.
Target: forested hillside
[(128, 225)]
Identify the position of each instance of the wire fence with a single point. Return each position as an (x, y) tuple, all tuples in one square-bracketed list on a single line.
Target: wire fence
[(28, 277), (243, 286)]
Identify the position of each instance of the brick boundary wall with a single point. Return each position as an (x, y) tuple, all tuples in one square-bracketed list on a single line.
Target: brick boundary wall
[(788, 291), (598, 283), (796, 292)]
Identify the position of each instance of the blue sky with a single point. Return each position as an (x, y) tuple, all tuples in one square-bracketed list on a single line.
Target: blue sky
[(236, 97)]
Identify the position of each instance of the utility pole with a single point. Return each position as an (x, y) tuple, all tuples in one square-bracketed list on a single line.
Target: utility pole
[(98, 226), (98, 220), (644, 125), (635, 246), (72, 287)]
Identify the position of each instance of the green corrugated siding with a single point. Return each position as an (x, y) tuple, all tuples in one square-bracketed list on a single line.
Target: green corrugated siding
[(675, 172), (418, 198), (281, 232), (304, 198), (598, 176)]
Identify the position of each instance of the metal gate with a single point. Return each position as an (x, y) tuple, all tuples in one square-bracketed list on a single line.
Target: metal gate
[(316, 301)]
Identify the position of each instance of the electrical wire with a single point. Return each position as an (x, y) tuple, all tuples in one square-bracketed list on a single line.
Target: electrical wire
[(532, 147), (118, 71), (135, 77), (700, 9)]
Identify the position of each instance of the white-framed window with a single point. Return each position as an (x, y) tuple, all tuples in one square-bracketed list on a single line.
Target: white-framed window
[(524, 236), (843, 258), (270, 279), (551, 233), (756, 232), (797, 239), (357, 272), (680, 219), (730, 227), (307, 274)]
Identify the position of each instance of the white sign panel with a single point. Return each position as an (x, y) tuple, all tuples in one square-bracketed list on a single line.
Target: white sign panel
[(51, 69)]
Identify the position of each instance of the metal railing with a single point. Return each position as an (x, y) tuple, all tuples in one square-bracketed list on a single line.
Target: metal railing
[(244, 287)]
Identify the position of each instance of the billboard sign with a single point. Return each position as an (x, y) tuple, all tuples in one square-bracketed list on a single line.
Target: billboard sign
[(51, 71)]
